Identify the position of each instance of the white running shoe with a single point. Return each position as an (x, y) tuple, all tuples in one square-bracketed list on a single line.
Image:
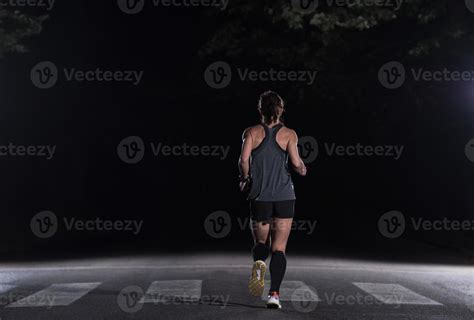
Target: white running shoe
[(257, 279), (273, 301)]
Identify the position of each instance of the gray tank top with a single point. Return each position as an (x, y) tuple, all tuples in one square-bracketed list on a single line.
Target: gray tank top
[(271, 179)]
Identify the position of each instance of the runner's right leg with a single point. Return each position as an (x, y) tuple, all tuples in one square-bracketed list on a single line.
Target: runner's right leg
[(260, 252)]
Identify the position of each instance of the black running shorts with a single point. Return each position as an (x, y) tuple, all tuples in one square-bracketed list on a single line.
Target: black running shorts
[(265, 210)]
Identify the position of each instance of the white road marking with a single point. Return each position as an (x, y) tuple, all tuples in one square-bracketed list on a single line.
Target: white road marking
[(287, 291), (58, 294), (168, 291), (392, 293)]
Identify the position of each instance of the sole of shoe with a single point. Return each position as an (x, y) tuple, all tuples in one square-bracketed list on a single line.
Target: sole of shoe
[(257, 279)]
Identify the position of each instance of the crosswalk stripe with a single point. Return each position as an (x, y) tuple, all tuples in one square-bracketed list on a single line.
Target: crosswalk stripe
[(163, 291), (293, 291), (64, 294), (6, 287), (58, 294), (392, 293)]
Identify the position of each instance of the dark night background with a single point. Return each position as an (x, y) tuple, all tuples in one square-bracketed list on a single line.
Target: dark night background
[(173, 104)]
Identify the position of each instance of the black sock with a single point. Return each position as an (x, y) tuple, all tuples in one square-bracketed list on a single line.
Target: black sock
[(277, 269), (260, 251)]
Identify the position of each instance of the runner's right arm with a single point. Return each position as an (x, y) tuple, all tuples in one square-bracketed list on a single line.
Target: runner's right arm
[(244, 160)]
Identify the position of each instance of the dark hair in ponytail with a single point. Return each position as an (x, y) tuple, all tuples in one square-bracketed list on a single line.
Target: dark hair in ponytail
[(270, 106)]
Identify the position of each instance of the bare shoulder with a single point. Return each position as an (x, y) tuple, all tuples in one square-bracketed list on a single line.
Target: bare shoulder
[(252, 131), (289, 133)]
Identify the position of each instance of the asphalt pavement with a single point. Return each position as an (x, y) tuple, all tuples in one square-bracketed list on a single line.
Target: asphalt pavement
[(205, 286)]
